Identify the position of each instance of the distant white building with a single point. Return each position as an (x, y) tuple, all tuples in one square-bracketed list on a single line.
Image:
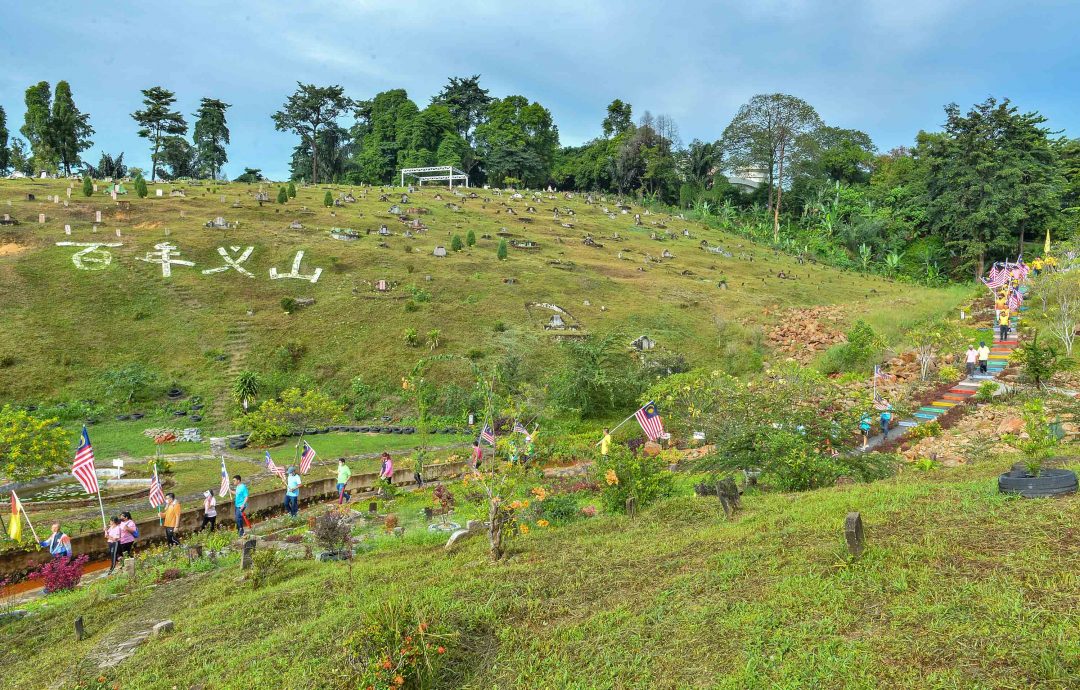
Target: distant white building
[(748, 179)]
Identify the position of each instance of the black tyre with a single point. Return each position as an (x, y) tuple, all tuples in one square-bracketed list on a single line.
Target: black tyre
[(1050, 482)]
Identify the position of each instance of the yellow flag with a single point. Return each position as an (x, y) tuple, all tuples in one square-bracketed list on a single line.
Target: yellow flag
[(15, 526), (1046, 247)]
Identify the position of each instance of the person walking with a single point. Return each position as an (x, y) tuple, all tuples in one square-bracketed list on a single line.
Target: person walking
[(970, 358), (343, 474), (240, 493), (171, 519), (209, 506), (387, 473), (864, 427), (1003, 325), (886, 417), (292, 491), (605, 443), (984, 357), (477, 455), (129, 532), (112, 538), (58, 544)]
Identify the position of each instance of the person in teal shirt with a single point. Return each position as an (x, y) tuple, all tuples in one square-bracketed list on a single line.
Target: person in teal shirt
[(343, 474), (240, 491), (292, 492)]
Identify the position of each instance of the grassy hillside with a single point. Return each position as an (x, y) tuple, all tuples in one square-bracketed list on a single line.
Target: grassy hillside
[(64, 326), (960, 588)]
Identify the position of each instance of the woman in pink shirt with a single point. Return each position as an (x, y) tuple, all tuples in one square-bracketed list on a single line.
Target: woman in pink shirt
[(387, 469), (129, 532), (112, 536)]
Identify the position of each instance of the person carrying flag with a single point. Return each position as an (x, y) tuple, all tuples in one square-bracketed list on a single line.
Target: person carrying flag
[(171, 519), (292, 492), (240, 491), (477, 455), (59, 544), (886, 417), (209, 510), (605, 443)]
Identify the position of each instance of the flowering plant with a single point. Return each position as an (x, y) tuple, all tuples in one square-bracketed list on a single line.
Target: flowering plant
[(61, 574)]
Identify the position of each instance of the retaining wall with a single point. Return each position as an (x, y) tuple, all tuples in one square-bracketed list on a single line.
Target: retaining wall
[(17, 562)]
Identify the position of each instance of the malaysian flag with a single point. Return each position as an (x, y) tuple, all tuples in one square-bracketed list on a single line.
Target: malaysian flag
[(83, 467), (1015, 300), (650, 421), (880, 375), (157, 496), (306, 457), (224, 490), (487, 435), (996, 278), (519, 429), (882, 404), (279, 471)]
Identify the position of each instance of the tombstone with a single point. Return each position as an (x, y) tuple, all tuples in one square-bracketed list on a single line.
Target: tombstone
[(223, 198), (69, 192), (129, 567), (56, 199), (29, 197), (97, 216), (728, 493), (80, 633), (643, 343), (95, 187), (67, 229), (161, 628), (853, 534), (113, 195), (183, 214), (440, 251), (41, 218), (373, 507), (667, 255), (118, 232), (296, 225), (631, 507), (159, 192), (65, 203), (248, 554), (556, 322), (381, 286)]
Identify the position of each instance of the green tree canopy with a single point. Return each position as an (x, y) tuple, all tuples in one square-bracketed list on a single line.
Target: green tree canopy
[(70, 129), (157, 121), (307, 111), (31, 447), (211, 135)]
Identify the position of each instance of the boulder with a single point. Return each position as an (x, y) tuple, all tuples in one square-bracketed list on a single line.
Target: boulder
[(1012, 425)]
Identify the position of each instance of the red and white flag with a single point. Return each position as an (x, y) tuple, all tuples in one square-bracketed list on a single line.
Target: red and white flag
[(306, 457), (223, 490), (272, 467), (650, 421), (157, 496), (83, 467)]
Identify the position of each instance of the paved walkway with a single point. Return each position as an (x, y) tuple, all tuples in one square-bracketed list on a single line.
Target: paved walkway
[(999, 359)]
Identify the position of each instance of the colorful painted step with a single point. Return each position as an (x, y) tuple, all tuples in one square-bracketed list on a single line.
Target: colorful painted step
[(925, 416), (932, 410), (963, 391), (942, 403)]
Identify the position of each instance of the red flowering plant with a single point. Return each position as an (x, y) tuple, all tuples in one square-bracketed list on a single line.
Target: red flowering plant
[(397, 648), (60, 574)]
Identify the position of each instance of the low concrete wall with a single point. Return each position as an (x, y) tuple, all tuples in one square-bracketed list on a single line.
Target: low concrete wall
[(17, 562)]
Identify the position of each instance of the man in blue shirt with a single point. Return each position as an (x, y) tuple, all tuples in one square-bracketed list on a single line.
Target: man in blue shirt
[(292, 492), (59, 544), (240, 491)]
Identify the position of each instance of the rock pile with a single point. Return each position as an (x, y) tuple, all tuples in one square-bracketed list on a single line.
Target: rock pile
[(803, 333)]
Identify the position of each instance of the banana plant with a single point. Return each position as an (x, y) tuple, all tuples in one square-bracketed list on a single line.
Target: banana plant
[(865, 255), (892, 263)]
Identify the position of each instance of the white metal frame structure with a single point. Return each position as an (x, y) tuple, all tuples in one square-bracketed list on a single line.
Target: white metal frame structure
[(433, 174)]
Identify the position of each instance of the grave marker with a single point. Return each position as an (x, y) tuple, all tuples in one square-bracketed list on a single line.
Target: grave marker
[(41, 218), (853, 534), (97, 216), (67, 229), (69, 192), (129, 567), (79, 632), (248, 555)]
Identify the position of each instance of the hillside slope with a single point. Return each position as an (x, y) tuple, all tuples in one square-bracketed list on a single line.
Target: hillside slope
[(960, 588), (63, 326)]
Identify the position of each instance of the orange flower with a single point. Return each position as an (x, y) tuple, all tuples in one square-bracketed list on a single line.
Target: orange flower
[(386, 663), (423, 626), (516, 505), (524, 529), (441, 650), (540, 493), (611, 478), (398, 680), (542, 523), (408, 638)]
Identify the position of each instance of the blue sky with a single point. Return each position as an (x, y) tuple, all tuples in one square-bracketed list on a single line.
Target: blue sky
[(883, 66)]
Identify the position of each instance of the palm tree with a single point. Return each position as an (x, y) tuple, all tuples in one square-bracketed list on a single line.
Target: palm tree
[(246, 387)]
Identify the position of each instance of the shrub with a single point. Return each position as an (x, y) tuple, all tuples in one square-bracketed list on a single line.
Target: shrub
[(948, 373), (863, 342), (294, 410), (501, 253), (332, 530), (624, 474), (282, 195), (558, 508), (129, 383), (292, 190), (412, 339), (289, 355), (931, 428), (499, 327), (264, 563), (140, 187), (397, 647), (434, 337), (986, 391), (87, 186), (169, 574), (31, 447), (288, 305), (328, 199), (456, 244), (60, 574), (411, 306), (470, 238), (1038, 362)]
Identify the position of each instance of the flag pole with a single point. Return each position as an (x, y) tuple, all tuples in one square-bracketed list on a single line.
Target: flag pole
[(102, 507), (616, 428), (36, 540)]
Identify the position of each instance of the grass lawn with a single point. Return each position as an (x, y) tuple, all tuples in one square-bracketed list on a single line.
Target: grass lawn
[(960, 587)]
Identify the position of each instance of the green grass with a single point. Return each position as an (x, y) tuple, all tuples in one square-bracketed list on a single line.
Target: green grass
[(960, 587), (179, 327)]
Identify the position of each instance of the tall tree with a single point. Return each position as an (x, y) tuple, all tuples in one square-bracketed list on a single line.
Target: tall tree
[(211, 135), (767, 134), (19, 158), (466, 101), (991, 178), (36, 127), (518, 140), (158, 121), (177, 158), (619, 118), (5, 153), (307, 111), (70, 129)]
